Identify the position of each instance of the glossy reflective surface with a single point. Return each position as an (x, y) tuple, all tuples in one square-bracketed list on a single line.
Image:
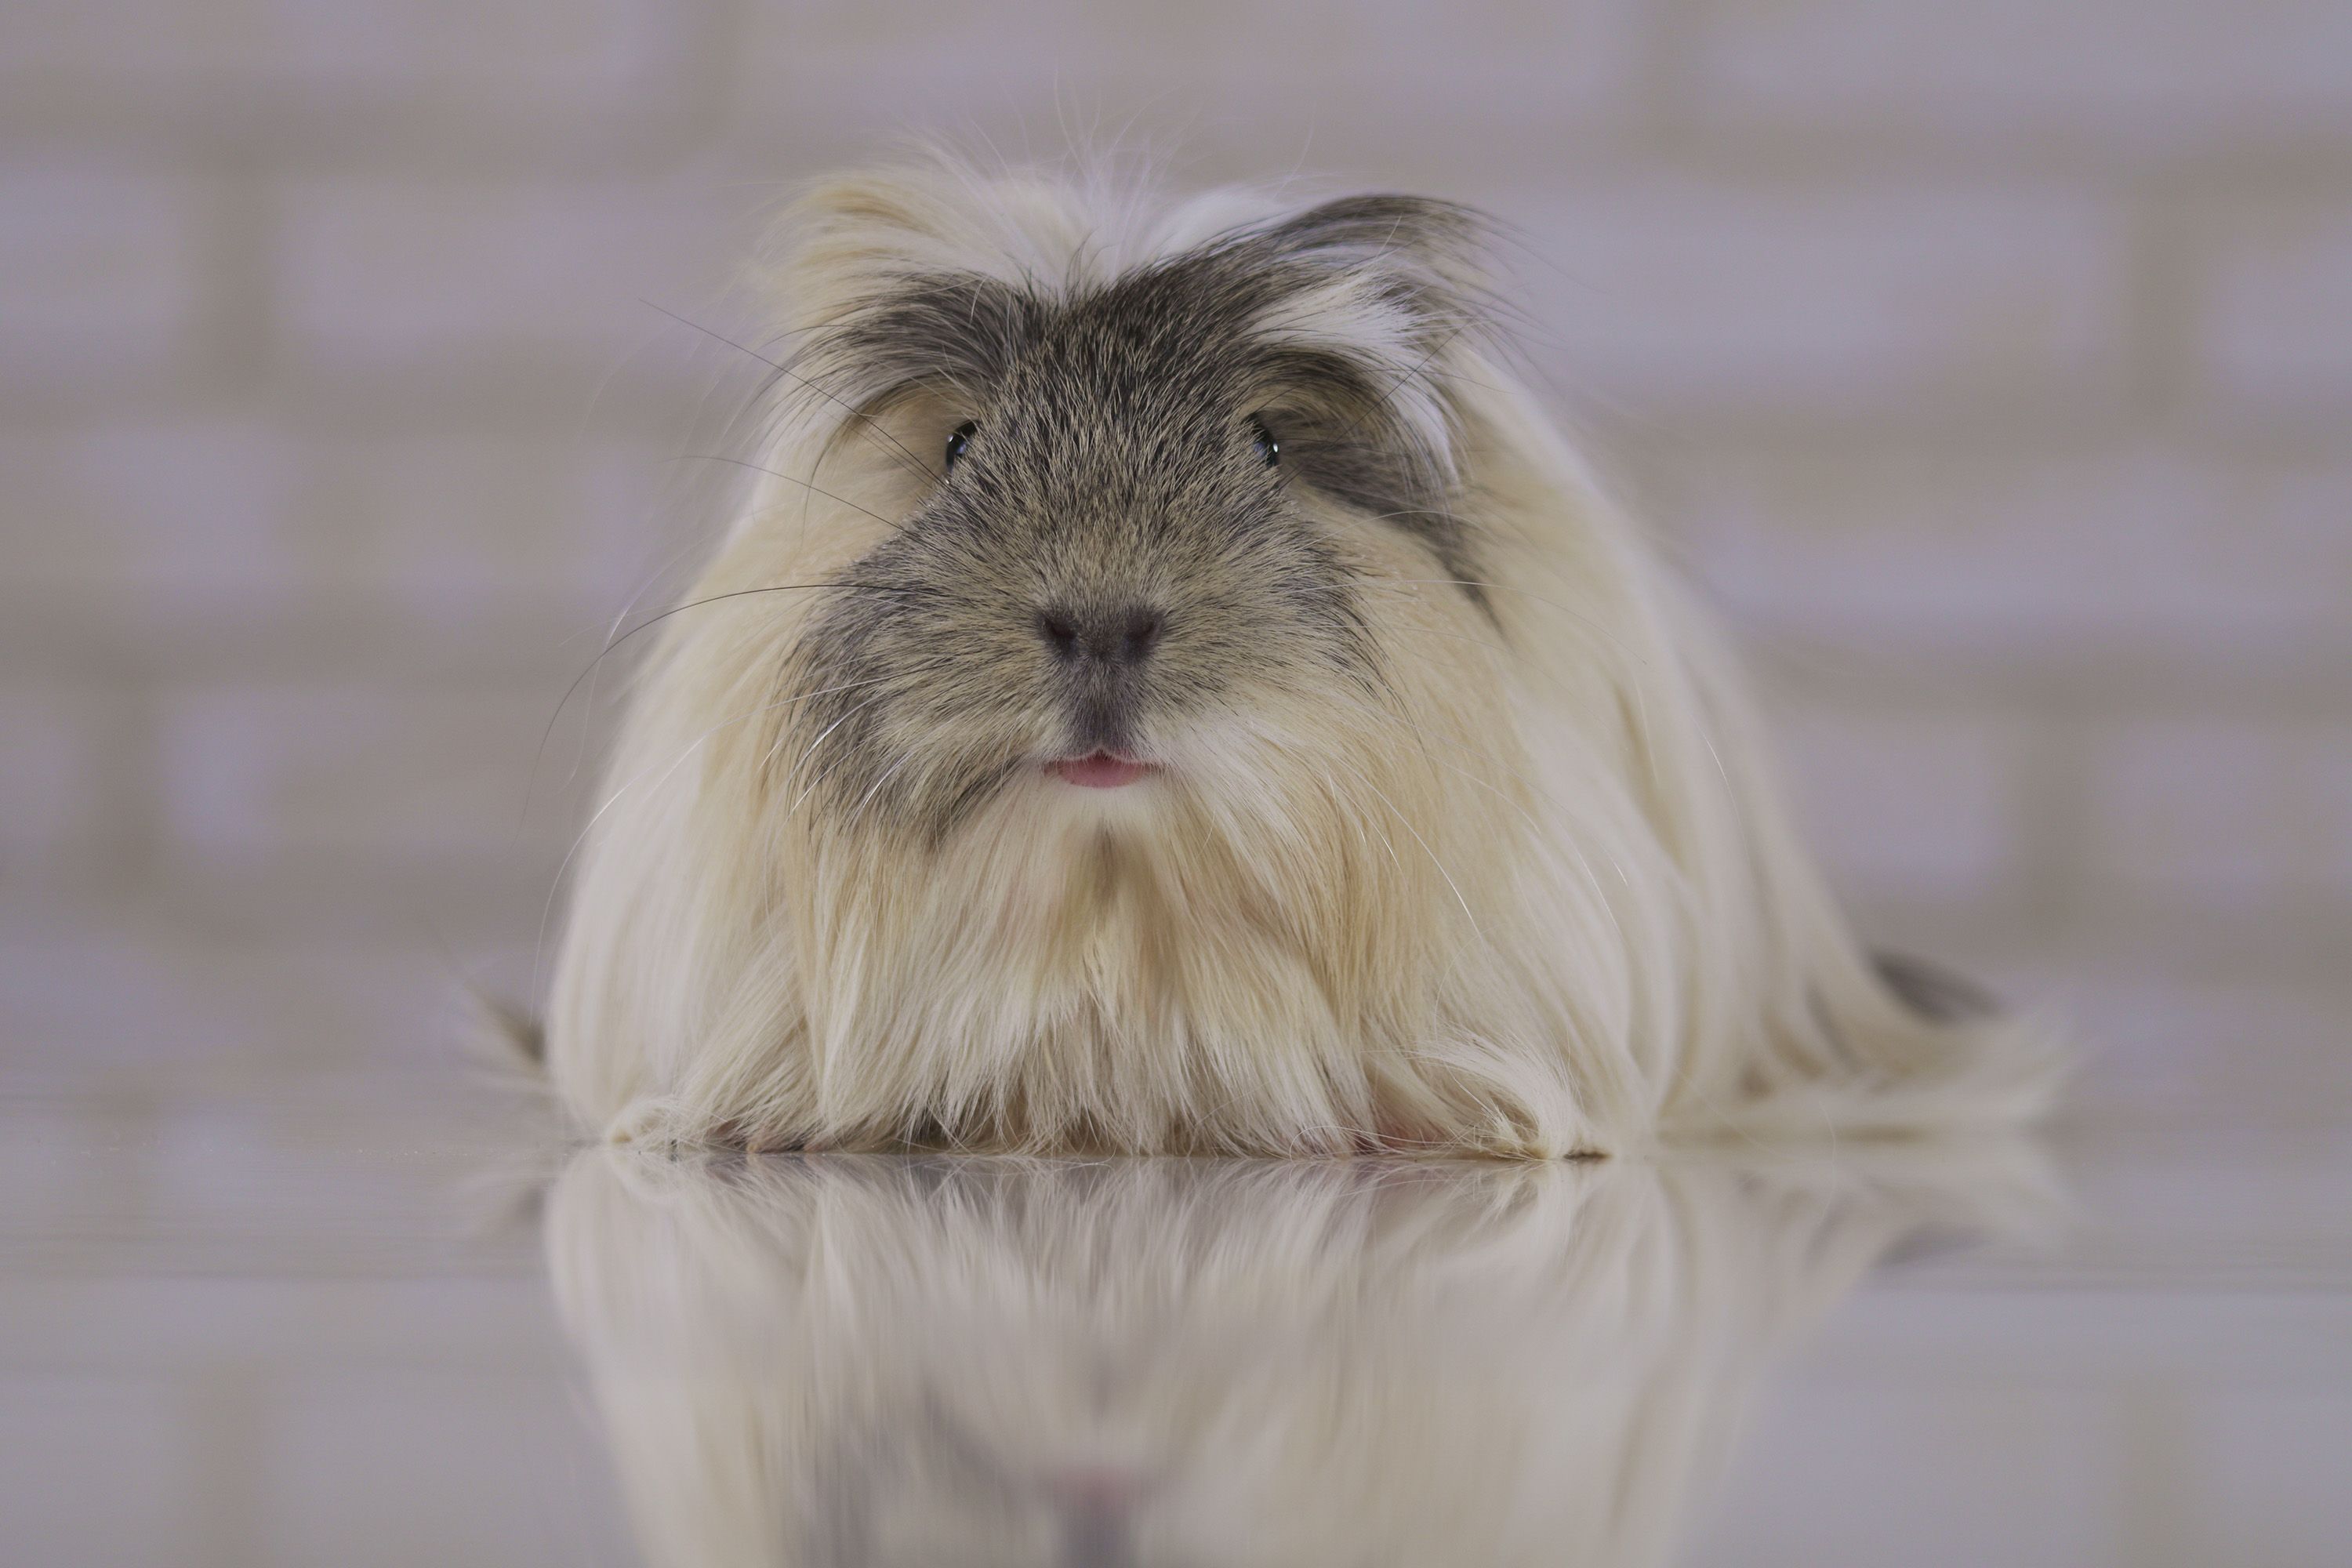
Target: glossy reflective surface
[(298, 1332)]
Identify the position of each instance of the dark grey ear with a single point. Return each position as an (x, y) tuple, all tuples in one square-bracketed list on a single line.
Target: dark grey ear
[(1444, 237), (953, 329)]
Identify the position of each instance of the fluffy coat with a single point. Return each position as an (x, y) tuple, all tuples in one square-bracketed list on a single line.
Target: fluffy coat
[(1457, 832)]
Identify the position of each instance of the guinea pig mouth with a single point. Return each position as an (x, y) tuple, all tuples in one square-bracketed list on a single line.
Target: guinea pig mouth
[(1099, 770)]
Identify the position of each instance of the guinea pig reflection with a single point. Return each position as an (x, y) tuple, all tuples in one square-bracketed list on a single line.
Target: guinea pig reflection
[(869, 1359)]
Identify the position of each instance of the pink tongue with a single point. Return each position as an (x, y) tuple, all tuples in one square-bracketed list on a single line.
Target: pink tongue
[(1100, 771)]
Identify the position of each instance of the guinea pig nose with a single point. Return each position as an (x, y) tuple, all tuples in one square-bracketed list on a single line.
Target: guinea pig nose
[(1060, 632), (1117, 635), (1139, 632)]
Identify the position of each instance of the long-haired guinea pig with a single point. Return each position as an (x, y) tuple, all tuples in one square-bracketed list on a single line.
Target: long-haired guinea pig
[(1174, 690)]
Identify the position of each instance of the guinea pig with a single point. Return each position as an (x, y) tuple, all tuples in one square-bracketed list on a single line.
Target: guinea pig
[(1172, 688)]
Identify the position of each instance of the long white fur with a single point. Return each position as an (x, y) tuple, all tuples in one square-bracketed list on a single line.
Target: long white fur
[(1547, 902)]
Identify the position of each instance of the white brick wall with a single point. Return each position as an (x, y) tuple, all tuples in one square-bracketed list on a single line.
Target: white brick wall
[(263, 771), (496, 48), (59, 1430), (1990, 364), (2276, 332), (64, 745), (1826, 300), (178, 514), (405, 274), (1911, 804), (2140, 548), (2144, 73), (2231, 813), (125, 998), (100, 274), (1221, 74)]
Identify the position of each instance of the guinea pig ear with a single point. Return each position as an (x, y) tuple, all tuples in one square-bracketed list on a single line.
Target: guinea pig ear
[(904, 275), (851, 236), (1443, 240), (1389, 281), (1373, 295), (842, 239)]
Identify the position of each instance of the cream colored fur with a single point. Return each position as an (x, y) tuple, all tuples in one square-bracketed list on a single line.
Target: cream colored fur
[(1544, 900)]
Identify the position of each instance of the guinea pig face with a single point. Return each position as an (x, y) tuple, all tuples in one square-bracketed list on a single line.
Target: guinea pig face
[(1124, 522)]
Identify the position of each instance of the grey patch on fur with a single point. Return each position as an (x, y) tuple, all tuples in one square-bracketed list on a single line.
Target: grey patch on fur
[(504, 1033), (1111, 547), (1935, 992)]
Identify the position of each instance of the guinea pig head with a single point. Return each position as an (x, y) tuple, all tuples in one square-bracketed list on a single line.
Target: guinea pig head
[(1123, 514)]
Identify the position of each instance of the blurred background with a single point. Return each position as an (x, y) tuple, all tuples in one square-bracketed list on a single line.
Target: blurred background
[(1989, 365)]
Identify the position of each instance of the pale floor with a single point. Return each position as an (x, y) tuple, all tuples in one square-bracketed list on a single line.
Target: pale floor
[(321, 1330)]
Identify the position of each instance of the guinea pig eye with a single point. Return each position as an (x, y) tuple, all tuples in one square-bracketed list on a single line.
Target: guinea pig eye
[(959, 438), (1262, 442)]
